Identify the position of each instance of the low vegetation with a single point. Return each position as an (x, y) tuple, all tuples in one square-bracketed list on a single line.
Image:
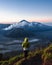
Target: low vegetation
[(38, 57)]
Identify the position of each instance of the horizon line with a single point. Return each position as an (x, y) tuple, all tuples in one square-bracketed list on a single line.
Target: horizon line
[(11, 22)]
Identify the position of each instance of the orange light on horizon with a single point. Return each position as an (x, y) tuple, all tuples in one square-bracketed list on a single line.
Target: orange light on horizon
[(13, 20), (41, 19)]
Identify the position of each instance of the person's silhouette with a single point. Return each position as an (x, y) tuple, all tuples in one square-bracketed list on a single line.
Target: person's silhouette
[(25, 46)]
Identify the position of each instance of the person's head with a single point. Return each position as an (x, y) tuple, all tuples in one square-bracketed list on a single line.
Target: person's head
[(26, 39)]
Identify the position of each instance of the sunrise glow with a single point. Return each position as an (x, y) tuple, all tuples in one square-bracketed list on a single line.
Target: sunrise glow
[(31, 10)]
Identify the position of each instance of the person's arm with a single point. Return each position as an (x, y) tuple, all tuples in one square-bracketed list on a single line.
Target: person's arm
[(23, 44)]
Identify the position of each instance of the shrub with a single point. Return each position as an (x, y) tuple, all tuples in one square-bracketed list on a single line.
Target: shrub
[(12, 60), (16, 58), (47, 53), (5, 63)]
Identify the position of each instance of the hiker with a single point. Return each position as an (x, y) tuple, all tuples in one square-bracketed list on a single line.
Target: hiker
[(25, 46)]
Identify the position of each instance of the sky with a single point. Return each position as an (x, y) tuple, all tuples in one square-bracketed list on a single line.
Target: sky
[(30, 10)]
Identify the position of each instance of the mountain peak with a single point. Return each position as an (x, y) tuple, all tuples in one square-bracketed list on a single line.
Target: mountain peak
[(24, 21), (25, 24)]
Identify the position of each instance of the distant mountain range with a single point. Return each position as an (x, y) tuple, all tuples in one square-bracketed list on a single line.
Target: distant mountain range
[(28, 25), (48, 23), (25, 29), (3, 26), (12, 35)]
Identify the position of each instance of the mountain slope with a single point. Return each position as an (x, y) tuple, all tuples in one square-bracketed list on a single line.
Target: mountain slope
[(4, 26), (28, 25), (25, 29), (41, 57)]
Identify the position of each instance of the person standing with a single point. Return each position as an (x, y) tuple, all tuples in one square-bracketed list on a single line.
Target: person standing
[(25, 45)]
